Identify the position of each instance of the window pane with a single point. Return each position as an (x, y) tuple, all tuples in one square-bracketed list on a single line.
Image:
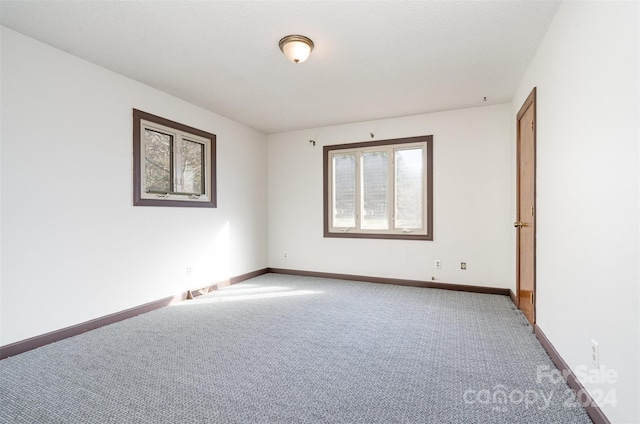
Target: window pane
[(157, 160), (344, 191), (409, 190), (192, 165), (374, 190)]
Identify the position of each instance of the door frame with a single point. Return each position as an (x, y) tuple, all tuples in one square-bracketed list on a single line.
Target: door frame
[(529, 102)]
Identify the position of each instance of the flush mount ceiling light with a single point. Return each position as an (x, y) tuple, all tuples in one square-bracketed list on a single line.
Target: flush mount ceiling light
[(296, 48)]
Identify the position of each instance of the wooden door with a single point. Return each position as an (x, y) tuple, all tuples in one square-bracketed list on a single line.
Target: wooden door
[(526, 209)]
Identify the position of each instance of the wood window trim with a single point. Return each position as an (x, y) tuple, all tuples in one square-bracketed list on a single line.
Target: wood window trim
[(429, 189), (138, 200)]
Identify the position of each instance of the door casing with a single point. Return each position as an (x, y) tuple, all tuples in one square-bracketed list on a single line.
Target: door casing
[(526, 209)]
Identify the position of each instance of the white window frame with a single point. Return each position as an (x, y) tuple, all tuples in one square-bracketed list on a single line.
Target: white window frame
[(425, 232), (179, 133)]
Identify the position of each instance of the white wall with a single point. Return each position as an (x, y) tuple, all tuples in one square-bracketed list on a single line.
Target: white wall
[(473, 197), (73, 246), (586, 72)]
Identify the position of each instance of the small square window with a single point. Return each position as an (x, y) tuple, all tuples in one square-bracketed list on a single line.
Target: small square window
[(173, 164)]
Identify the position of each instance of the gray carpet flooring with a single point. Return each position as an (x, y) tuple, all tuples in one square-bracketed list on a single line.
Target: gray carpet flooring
[(289, 349)]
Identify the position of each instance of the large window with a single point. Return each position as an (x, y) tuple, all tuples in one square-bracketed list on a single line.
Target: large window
[(174, 165), (380, 189)]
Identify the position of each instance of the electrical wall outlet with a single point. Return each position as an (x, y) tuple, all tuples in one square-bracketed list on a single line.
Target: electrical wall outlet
[(437, 264), (595, 353), (189, 270), (463, 265), (285, 255)]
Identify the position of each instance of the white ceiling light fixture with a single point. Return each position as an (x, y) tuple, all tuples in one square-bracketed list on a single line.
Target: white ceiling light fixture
[(296, 48)]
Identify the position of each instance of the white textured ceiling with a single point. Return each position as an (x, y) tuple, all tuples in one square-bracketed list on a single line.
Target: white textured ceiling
[(371, 59)]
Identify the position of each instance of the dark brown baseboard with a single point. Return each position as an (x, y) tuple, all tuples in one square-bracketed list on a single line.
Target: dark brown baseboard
[(233, 280), (54, 336), (589, 404), (248, 276), (395, 281), (513, 297)]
